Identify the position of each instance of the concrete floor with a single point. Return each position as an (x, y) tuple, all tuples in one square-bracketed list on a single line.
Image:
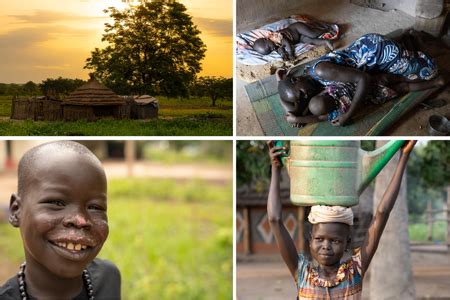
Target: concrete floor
[(354, 21)]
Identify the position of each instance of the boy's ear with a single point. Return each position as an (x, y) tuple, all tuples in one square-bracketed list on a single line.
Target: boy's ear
[(15, 205)]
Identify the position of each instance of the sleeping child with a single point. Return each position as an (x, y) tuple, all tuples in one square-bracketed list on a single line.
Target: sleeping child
[(285, 39)]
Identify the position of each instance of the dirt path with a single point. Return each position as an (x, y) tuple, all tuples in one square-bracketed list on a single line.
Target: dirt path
[(267, 278)]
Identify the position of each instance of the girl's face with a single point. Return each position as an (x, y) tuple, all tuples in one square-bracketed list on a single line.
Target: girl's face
[(63, 218), (328, 242)]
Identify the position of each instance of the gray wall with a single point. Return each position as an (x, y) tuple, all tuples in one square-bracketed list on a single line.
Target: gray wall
[(254, 13), (407, 6), (251, 14)]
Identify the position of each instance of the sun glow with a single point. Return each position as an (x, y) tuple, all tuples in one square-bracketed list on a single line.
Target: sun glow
[(52, 38)]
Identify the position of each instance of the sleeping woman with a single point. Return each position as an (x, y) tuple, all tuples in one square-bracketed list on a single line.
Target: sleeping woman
[(373, 66)]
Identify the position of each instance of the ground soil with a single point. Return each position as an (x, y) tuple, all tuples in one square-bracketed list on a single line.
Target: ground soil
[(265, 277)]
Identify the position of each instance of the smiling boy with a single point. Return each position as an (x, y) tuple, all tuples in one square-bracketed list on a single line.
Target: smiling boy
[(60, 209)]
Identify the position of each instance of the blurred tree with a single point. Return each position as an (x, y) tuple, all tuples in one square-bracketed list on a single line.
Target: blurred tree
[(14, 89), (428, 175), (153, 48), (60, 86), (3, 88), (30, 88), (252, 163), (213, 87)]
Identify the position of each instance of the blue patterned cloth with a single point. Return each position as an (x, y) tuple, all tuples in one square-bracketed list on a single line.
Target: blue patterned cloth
[(375, 53)]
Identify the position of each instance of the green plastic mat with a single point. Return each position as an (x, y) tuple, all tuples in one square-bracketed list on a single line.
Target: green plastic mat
[(370, 120)]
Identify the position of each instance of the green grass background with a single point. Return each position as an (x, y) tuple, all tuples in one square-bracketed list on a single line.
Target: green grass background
[(177, 117), (170, 239), (419, 232)]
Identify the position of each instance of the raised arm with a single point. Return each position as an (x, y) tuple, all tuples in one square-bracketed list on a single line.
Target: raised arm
[(334, 72), (384, 208), (274, 207)]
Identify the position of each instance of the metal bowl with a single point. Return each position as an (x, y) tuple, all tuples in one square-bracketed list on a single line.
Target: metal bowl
[(438, 125)]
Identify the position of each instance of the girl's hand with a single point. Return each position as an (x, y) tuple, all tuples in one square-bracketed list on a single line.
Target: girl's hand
[(293, 120), (340, 120), (407, 147), (275, 153)]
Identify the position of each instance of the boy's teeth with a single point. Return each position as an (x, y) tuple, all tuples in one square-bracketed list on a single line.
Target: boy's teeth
[(72, 246)]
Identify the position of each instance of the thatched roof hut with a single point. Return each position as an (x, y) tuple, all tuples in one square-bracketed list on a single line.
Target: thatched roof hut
[(91, 101), (93, 93)]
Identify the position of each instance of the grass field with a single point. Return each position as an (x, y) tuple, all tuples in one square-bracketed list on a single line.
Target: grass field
[(177, 117), (419, 232), (170, 240)]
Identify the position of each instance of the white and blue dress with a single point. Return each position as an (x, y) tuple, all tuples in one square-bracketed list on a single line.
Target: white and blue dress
[(375, 53)]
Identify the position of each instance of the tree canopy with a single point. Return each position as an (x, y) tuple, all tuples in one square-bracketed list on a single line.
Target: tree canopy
[(153, 48), (213, 87), (428, 175), (60, 86)]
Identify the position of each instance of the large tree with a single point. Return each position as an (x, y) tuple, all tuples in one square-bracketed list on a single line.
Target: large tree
[(213, 87), (153, 48)]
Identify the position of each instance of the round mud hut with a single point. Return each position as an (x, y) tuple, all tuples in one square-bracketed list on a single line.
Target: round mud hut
[(93, 101)]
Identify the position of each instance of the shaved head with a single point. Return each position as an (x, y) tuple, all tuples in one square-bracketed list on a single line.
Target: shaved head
[(38, 156)]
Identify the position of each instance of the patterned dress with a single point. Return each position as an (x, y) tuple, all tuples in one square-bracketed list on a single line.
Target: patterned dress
[(343, 92), (375, 53), (346, 285)]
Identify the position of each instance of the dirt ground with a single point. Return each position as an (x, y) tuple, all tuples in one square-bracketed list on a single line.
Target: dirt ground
[(265, 277)]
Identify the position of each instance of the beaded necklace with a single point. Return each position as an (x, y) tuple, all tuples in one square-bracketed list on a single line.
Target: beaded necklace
[(23, 291)]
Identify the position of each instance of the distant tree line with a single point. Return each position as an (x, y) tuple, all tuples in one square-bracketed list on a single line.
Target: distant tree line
[(213, 87), (50, 87)]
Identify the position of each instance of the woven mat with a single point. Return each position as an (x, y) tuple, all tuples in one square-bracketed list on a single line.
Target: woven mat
[(369, 120)]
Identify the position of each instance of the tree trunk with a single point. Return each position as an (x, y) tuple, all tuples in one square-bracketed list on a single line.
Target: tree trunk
[(390, 270)]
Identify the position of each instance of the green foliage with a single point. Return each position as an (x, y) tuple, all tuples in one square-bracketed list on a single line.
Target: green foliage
[(252, 163), (214, 87), (419, 232), (428, 174), (5, 106), (185, 126), (176, 247), (175, 152), (31, 88), (60, 86), (153, 48)]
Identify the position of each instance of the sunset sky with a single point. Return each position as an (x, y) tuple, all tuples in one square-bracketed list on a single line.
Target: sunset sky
[(42, 39)]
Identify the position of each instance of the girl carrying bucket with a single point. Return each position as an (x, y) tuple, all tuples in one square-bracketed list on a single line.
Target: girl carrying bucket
[(326, 275)]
